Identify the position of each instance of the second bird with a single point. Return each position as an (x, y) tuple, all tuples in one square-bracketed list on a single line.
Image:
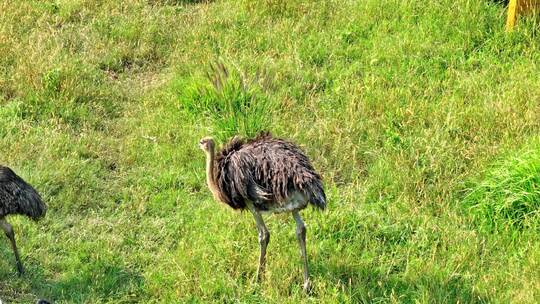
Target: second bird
[(17, 197), (265, 174)]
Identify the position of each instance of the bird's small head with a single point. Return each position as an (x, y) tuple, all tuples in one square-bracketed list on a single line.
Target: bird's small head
[(207, 144)]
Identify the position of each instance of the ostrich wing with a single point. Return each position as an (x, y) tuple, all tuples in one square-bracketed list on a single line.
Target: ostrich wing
[(18, 197), (265, 171)]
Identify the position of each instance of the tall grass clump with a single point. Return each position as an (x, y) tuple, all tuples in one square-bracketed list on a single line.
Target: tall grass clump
[(227, 101), (509, 195)]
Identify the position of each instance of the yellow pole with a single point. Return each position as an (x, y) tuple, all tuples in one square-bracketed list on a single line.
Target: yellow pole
[(512, 15), (520, 7)]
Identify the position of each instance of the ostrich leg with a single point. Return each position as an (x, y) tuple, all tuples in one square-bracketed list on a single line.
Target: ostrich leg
[(8, 229), (301, 236), (264, 239)]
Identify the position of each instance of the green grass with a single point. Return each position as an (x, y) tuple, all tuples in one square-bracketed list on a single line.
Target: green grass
[(227, 102), (412, 111), (509, 196)]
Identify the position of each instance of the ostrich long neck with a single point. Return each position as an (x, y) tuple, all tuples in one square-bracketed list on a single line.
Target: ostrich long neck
[(210, 178)]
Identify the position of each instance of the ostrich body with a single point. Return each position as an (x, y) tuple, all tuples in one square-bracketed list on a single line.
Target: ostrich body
[(265, 174), (17, 197)]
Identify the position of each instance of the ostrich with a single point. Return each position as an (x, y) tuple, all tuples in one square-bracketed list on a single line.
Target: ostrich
[(265, 174), (17, 197)]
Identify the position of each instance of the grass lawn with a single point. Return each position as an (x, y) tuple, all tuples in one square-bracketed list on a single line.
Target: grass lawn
[(423, 118)]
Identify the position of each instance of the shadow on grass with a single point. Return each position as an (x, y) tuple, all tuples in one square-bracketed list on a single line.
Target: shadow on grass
[(364, 285), (177, 2), (89, 284), (501, 2)]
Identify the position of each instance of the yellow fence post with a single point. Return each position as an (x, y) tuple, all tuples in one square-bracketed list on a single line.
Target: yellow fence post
[(520, 7), (512, 16)]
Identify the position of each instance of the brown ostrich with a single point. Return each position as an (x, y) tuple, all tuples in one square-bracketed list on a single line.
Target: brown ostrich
[(17, 197), (265, 174)]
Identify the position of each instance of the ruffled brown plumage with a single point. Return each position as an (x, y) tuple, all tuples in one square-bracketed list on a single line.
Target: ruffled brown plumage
[(265, 170), (18, 197)]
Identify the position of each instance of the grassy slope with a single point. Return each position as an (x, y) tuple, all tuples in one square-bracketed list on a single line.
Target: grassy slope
[(398, 103)]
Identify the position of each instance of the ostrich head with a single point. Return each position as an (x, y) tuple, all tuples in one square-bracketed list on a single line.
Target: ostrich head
[(207, 144)]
